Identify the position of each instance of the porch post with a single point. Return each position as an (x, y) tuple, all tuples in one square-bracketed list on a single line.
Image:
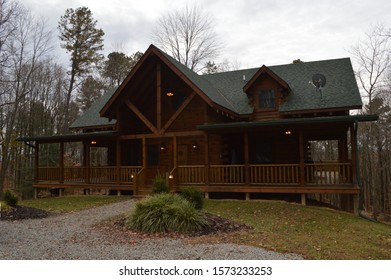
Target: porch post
[(118, 159), (246, 160), (61, 162), (353, 143), (302, 156), (86, 159), (36, 164), (206, 159)]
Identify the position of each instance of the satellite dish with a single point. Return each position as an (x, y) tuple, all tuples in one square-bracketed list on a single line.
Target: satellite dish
[(319, 80)]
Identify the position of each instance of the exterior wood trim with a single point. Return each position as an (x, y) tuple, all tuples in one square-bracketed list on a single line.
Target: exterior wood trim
[(265, 70), (178, 112), (138, 113)]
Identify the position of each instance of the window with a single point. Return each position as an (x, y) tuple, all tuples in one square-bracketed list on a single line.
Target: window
[(266, 99)]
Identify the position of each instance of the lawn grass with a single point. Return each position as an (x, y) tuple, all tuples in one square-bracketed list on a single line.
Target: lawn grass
[(66, 204), (313, 232)]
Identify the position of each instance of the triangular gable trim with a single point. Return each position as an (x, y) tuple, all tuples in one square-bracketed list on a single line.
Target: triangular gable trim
[(154, 50), (265, 70)]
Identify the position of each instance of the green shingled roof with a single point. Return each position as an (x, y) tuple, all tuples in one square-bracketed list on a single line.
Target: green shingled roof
[(226, 89), (91, 117)]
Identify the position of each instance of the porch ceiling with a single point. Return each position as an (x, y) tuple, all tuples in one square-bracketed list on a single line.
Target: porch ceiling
[(299, 121)]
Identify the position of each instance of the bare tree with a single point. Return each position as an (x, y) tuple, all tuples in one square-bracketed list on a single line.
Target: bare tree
[(28, 44), (373, 61), (187, 34)]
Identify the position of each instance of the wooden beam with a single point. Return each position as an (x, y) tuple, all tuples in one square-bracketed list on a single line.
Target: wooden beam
[(158, 95), (118, 159), (61, 162), (246, 159), (141, 116), (144, 152), (178, 112), (36, 165), (353, 146), (302, 156), (168, 134)]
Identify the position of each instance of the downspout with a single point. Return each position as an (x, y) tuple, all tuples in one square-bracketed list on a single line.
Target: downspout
[(360, 197)]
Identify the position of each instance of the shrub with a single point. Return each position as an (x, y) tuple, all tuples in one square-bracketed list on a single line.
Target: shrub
[(9, 198), (194, 196), (165, 213), (160, 185)]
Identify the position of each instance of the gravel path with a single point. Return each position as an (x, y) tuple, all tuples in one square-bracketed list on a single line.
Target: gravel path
[(71, 236)]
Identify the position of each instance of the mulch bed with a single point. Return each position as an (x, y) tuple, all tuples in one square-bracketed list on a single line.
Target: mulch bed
[(23, 212), (117, 230)]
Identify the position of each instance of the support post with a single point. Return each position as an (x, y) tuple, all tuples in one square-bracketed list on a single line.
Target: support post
[(206, 160), (247, 196), (246, 160), (302, 156), (35, 193), (36, 165), (355, 205), (353, 143), (303, 199), (86, 160), (118, 159), (61, 162)]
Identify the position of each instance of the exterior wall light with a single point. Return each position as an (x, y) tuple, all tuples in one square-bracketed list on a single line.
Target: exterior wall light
[(194, 146), (170, 176), (162, 147), (93, 142), (288, 132), (169, 94)]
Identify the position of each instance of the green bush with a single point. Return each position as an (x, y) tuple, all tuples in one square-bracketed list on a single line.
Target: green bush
[(160, 185), (165, 213), (194, 196), (9, 198)]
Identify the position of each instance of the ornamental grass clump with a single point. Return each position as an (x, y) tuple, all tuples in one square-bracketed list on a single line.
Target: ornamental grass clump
[(10, 199), (166, 213), (160, 185), (194, 196)]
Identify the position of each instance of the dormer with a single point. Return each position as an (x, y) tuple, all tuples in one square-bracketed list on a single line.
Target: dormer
[(266, 91)]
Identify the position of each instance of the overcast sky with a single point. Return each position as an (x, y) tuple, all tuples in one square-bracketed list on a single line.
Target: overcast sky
[(253, 32)]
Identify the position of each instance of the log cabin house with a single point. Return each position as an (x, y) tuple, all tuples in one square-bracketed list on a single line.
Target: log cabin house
[(246, 131)]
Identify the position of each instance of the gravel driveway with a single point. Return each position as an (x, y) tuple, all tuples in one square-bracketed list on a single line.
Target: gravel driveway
[(71, 236)]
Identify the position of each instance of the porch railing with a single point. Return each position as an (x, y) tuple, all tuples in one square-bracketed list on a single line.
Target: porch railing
[(325, 174), (227, 174), (328, 173), (93, 174), (315, 174), (190, 174), (281, 174)]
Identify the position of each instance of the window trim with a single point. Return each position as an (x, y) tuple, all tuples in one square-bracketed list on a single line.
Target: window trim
[(259, 93)]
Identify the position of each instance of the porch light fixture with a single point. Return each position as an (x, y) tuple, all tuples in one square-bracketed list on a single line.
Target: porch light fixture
[(93, 142), (288, 132), (170, 176), (170, 94), (162, 147), (194, 146)]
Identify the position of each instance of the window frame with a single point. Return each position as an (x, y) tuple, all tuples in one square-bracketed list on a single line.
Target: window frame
[(268, 99)]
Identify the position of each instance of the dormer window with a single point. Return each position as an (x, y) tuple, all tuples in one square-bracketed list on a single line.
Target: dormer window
[(266, 99)]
